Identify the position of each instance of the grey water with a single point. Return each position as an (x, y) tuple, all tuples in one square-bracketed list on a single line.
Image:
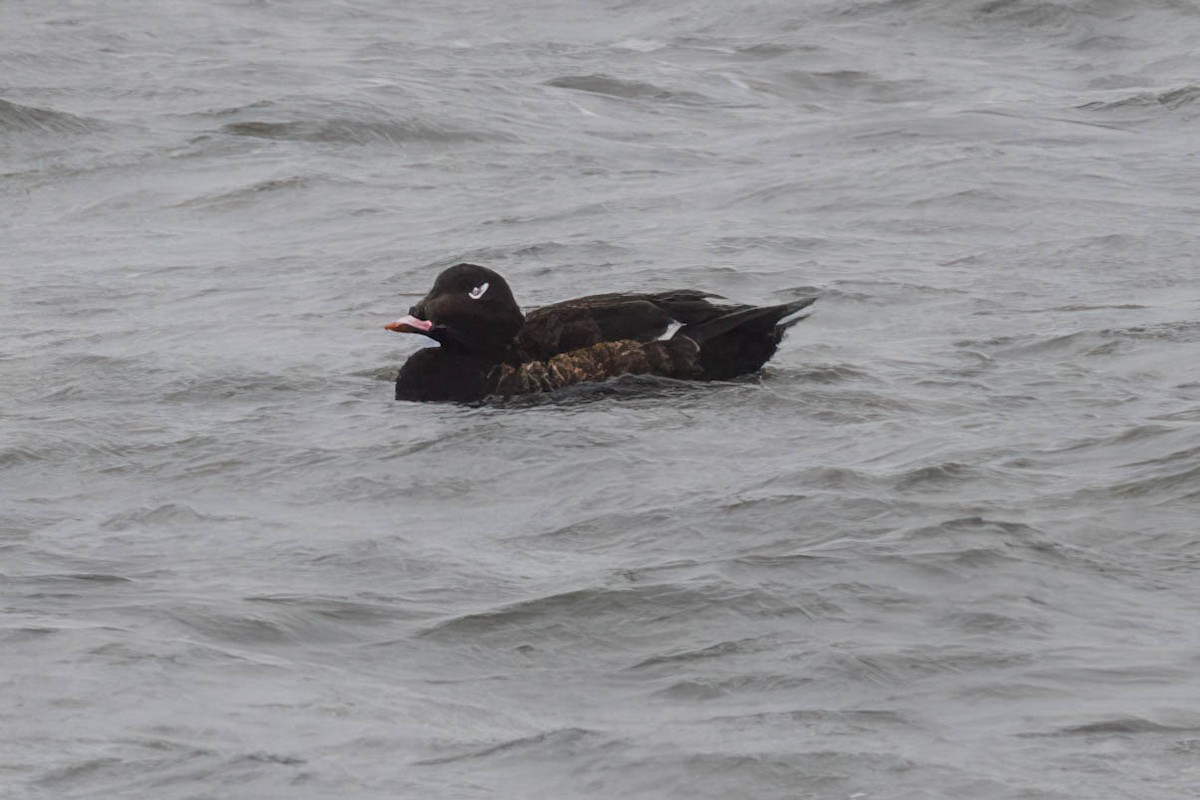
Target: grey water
[(944, 546)]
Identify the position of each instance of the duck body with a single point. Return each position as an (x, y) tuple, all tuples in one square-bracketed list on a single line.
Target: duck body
[(489, 348)]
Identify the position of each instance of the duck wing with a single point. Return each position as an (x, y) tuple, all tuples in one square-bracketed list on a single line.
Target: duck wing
[(586, 321), (719, 348)]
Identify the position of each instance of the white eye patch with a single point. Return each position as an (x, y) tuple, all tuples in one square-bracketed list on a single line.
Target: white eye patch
[(478, 291)]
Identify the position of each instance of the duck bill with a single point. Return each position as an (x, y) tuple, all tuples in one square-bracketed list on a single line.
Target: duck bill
[(410, 324)]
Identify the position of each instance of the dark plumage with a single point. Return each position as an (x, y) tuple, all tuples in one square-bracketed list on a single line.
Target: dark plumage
[(489, 348)]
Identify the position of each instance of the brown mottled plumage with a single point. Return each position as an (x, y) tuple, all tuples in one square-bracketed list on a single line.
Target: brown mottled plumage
[(675, 358), (488, 348)]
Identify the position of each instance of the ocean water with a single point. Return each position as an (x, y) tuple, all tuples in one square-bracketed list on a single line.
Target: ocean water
[(944, 546)]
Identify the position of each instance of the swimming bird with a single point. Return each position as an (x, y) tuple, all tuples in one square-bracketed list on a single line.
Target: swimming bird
[(488, 348)]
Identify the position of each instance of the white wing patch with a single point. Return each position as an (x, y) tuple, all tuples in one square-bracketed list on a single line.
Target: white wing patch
[(478, 291), (672, 328)]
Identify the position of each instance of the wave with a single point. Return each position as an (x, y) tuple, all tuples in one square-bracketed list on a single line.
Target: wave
[(343, 122), (1170, 100), (1119, 726), (1036, 14), (719, 650), (354, 131), (857, 84), (29, 119), (564, 741), (1082, 344), (582, 608), (162, 516), (627, 90)]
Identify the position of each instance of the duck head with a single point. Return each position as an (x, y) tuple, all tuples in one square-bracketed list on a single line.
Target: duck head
[(470, 308)]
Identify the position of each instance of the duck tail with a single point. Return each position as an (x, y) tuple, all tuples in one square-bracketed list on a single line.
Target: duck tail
[(742, 341), (795, 312)]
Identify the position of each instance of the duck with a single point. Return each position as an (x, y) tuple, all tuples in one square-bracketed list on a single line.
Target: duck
[(488, 349)]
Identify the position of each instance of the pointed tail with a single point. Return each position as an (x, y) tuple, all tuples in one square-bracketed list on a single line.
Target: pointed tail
[(794, 312), (760, 320), (742, 341)]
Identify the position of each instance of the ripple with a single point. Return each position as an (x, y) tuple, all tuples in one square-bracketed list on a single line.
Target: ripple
[(344, 122), (350, 131), (1119, 726), (1171, 100), (585, 607), (627, 90), (542, 745), (28, 119), (718, 650)]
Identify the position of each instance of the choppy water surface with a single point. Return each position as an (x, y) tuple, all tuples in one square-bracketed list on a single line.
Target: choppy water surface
[(944, 547)]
